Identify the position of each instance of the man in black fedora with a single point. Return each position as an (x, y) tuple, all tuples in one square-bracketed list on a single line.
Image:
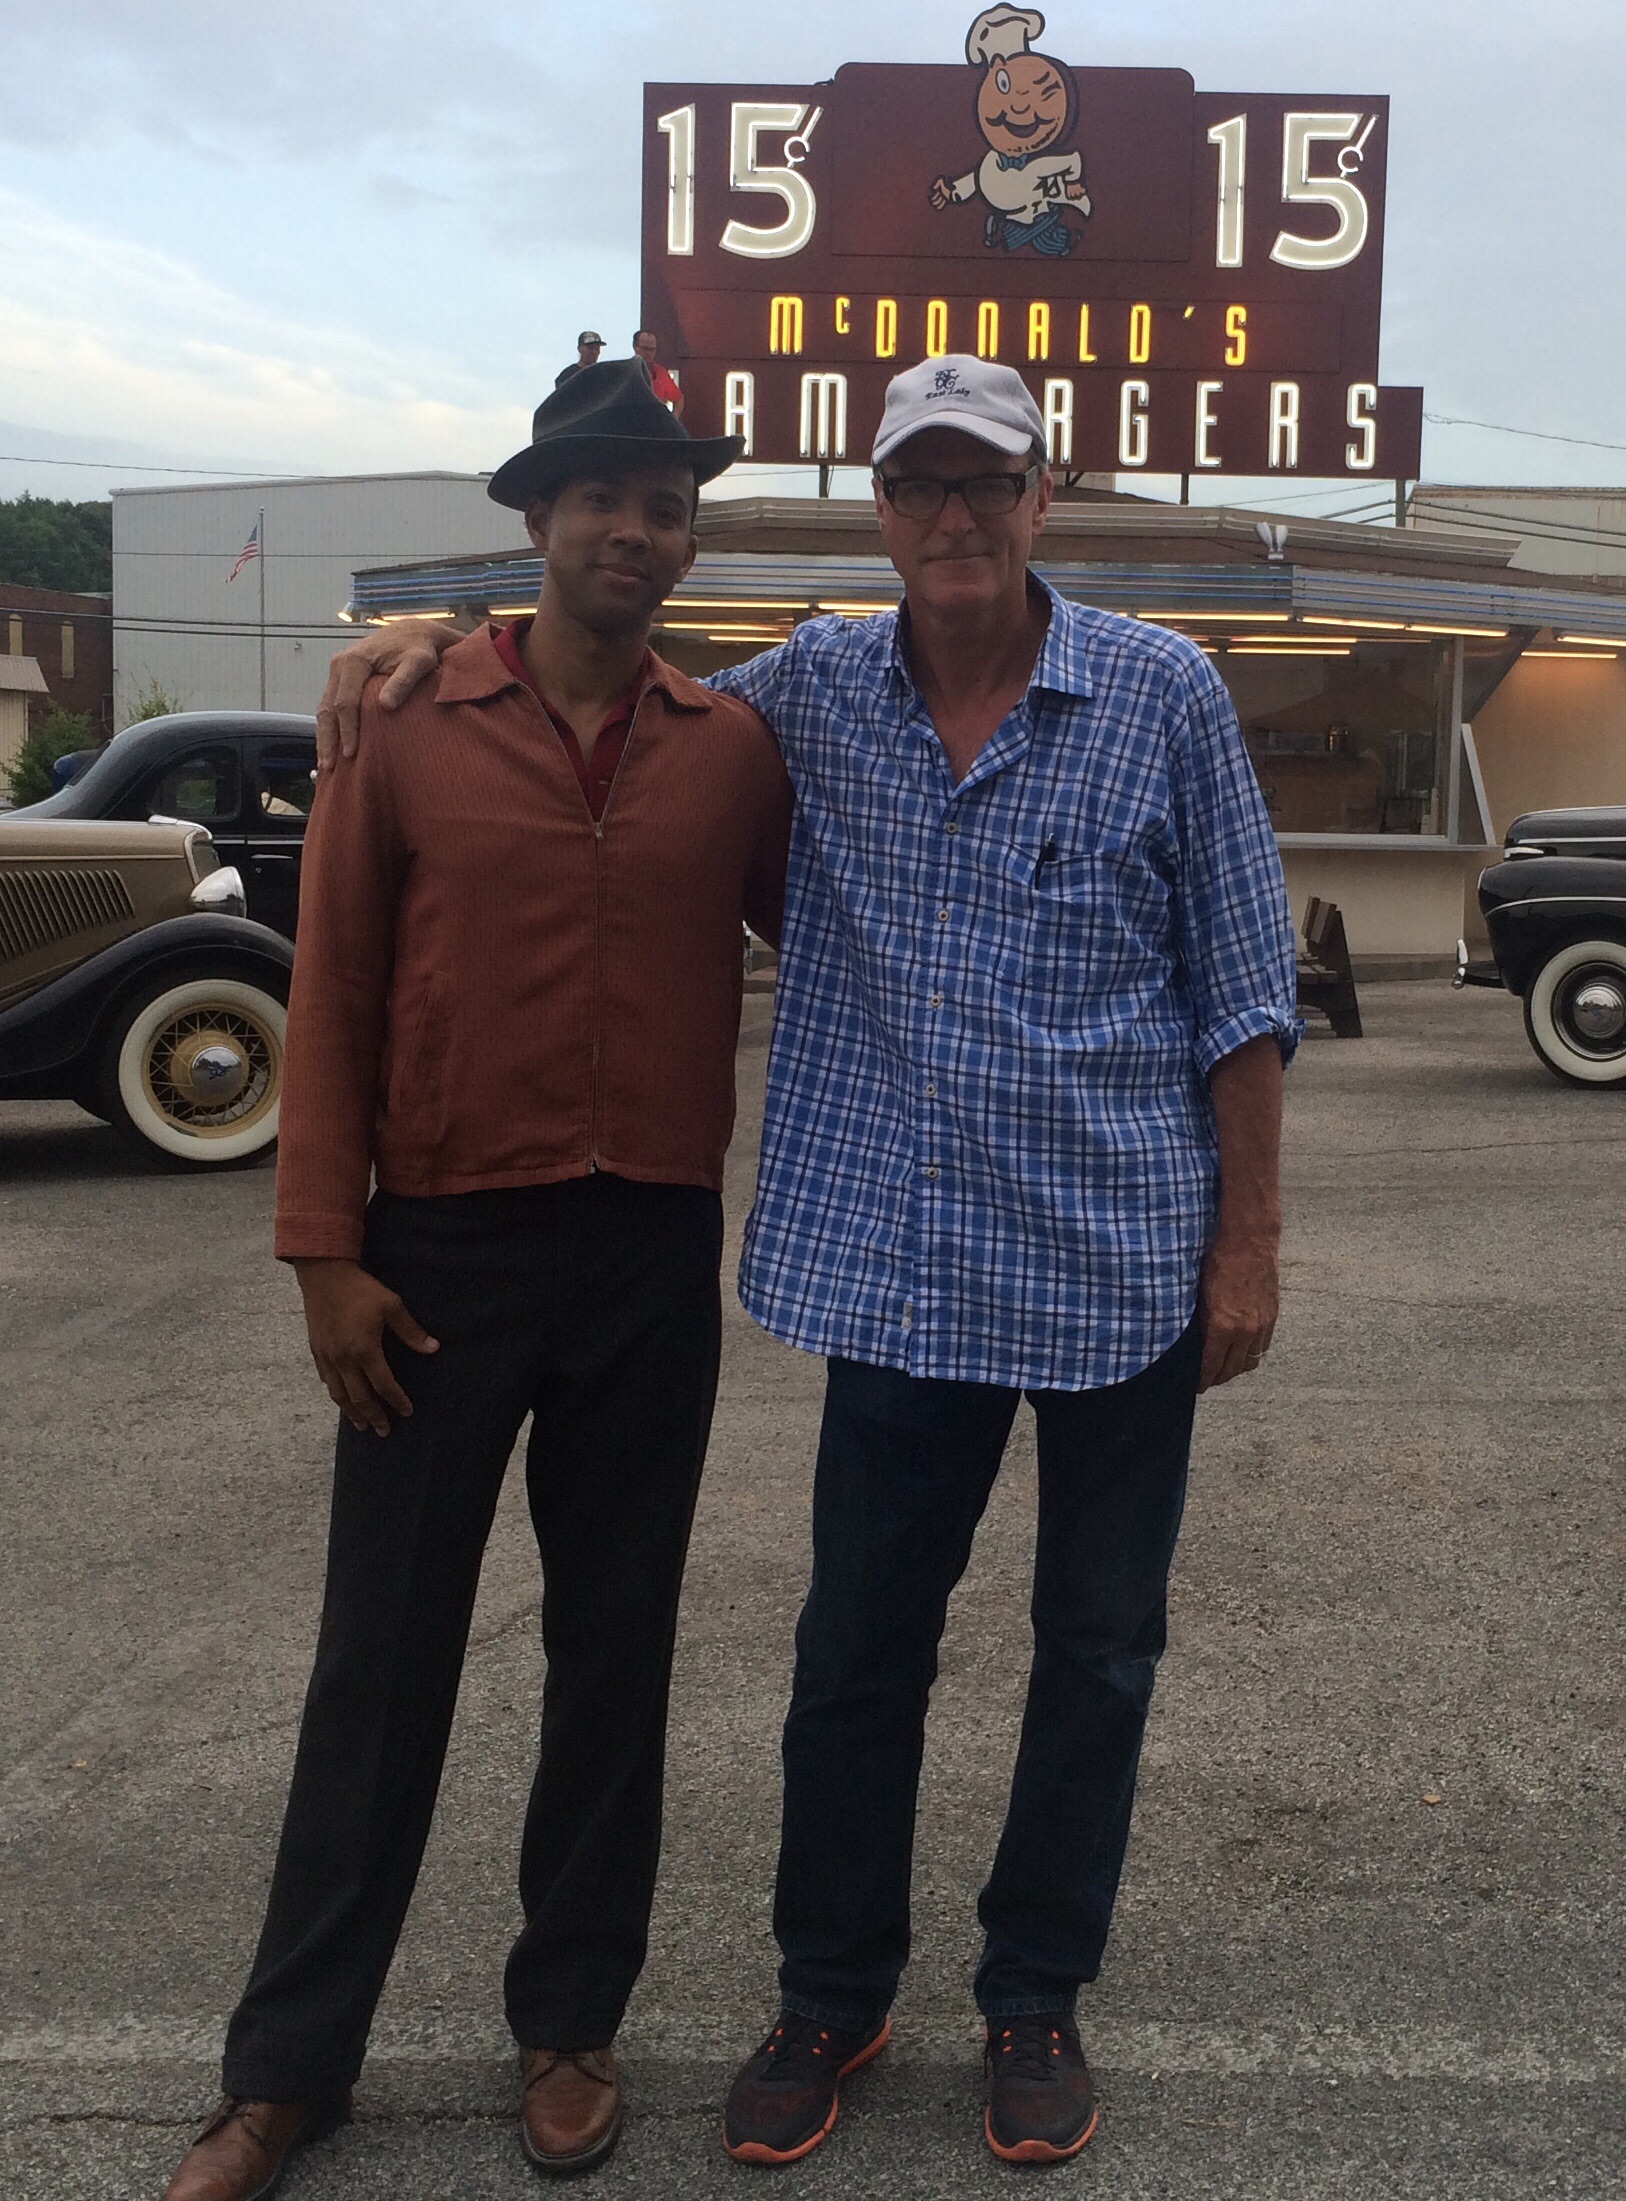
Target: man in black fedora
[(516, 1002)]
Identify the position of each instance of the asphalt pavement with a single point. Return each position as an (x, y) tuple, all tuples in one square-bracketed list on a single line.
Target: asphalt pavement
[(1369, 1945)]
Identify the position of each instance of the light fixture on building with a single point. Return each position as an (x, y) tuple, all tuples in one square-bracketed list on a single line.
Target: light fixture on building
[(686, 602), (1381, 626)]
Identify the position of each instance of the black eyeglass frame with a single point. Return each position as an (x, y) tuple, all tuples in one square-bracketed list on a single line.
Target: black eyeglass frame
[(890, 484)]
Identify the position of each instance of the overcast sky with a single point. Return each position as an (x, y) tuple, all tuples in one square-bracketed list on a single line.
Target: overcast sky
[(354, 236)]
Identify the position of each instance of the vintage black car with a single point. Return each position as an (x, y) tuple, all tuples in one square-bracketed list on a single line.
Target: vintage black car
[(1555, 908), (246, 775), (132, 983)]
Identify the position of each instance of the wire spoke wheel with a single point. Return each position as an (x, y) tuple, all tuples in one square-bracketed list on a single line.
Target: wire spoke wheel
[(196, 1071), (210, 1071)]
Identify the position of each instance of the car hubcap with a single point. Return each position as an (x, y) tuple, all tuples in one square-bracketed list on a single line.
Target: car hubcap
[(209, 1069), (1595, 1012), (213, 1070)]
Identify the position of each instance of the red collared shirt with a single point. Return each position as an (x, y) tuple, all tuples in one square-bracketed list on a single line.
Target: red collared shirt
[(596, 773)]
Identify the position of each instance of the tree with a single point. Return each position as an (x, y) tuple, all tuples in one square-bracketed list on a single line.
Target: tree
[(46, 542), (57, 734), (152, 702)]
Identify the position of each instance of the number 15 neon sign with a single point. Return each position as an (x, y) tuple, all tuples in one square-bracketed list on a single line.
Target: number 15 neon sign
[(750, 120)]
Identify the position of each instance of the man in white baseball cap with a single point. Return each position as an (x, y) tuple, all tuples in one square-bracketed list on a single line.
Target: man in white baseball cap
[(1034, 1000)]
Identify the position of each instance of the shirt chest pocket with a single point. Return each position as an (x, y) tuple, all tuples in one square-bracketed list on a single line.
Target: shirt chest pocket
[(1059, 929)]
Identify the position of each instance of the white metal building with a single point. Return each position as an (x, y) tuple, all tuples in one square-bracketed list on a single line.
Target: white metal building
[(179, 621), (1559, 530)]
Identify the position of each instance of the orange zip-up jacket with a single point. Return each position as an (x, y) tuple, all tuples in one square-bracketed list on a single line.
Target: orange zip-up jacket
[(492, 990)]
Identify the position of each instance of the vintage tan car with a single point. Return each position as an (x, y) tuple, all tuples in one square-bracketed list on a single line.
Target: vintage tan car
[(132, 983)]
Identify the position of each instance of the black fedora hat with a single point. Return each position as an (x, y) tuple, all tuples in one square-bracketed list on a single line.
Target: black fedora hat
[(606, 418)]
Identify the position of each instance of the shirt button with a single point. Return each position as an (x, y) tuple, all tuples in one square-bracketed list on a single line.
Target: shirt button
[(942, 917), (936, 1002), (928, 1171), (931, 1092), (952, 826)]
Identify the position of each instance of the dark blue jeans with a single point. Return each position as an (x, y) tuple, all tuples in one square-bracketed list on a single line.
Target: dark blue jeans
[(904, 1471)]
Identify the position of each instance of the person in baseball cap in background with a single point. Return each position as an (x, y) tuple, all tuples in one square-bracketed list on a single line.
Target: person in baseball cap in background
[(1034, 999), (588, 346)]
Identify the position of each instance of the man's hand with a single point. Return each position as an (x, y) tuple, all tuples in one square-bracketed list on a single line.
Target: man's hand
[(942, 193), (346, 1314), (408, 650), (1237, 1293), (1237, 1301)]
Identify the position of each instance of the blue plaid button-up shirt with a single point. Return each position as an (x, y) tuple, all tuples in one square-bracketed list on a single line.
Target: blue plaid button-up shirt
[(989, 1149)]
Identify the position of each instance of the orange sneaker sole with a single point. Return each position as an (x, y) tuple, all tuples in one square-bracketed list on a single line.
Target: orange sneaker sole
[(1039, 2151), (754, 2151)]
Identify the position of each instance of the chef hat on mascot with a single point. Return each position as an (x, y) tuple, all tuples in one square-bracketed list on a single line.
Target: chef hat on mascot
[(1000, 32)]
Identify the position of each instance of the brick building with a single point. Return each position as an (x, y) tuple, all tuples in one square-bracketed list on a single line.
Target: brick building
[(70, 638)]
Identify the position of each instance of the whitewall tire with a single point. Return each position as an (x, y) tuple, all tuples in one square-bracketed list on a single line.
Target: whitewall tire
[(195, 1071), (1575, 1012)]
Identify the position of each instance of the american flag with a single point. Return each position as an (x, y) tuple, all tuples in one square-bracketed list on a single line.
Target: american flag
[(251, 549)]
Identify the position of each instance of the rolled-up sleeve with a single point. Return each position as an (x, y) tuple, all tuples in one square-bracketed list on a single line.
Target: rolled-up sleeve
[(1236, 932)]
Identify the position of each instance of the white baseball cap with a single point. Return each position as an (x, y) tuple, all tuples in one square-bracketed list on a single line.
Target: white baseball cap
[(977, 396)]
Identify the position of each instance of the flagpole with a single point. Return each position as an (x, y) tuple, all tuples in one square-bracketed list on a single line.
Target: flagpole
[(262, 606)]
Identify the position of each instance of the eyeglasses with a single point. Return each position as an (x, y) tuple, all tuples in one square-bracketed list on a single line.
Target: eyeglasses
[(985, 496)]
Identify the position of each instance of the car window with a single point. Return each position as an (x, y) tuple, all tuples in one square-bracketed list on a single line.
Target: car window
[(287, 781), (203, 788)]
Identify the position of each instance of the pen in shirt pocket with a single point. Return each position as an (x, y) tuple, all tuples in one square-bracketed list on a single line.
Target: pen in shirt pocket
[(1047, 855)]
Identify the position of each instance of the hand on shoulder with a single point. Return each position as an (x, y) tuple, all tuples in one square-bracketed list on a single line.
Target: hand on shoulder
[(406, 652)]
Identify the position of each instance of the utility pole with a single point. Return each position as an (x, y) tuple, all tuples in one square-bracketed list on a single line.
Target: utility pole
[(262, 607)]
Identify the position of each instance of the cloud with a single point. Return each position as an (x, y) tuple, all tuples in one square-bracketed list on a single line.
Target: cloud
[(93, 327)]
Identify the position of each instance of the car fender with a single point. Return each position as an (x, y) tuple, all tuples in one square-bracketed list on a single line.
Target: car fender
[(48, 1037), (1535, 904)]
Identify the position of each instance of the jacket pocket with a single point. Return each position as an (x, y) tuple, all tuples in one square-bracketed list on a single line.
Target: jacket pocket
[(419, 1082)]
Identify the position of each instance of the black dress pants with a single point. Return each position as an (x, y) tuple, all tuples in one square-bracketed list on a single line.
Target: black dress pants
[(593, 1306)]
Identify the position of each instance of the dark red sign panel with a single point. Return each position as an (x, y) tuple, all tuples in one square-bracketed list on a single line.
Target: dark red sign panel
[(1189, 281)]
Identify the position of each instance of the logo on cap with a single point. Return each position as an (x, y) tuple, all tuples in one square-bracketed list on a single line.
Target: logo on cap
[(944, 381)]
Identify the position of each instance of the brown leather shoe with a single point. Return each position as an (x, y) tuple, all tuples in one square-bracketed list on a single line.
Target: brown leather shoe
[(242, 2152), (570, 2113)]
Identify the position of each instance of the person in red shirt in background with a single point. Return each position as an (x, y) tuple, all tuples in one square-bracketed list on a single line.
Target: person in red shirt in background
[(517, 1000), (645, 344)]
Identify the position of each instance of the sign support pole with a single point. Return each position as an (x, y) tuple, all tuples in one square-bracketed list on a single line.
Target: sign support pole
[(262, 607)]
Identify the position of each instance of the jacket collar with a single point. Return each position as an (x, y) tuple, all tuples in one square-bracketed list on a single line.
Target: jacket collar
[(471, 672)]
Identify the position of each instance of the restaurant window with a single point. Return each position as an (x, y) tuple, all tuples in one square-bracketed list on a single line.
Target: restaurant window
[(1352, 737), (14, 636), (67, 649)]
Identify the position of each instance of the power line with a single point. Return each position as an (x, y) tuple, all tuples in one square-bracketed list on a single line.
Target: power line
[(128, 466), (1475, 518), (1501, 428), (393, 557), (154, 623)]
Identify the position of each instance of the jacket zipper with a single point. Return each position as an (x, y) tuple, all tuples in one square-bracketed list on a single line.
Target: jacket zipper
[(598, 935)]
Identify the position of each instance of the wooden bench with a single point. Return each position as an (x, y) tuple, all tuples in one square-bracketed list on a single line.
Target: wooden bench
[(1325, 980)]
